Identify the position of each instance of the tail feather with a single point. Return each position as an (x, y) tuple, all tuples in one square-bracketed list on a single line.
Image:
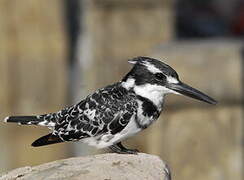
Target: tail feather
[(47, 140), (43, 120), (23, 120)]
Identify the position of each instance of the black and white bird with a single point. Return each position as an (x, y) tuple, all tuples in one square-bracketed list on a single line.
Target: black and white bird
[(115, 112)]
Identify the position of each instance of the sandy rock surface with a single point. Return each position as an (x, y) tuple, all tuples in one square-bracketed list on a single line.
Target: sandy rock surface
[(98, 167)]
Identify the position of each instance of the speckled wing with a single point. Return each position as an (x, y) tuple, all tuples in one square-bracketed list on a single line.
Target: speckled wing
[(107, 111)]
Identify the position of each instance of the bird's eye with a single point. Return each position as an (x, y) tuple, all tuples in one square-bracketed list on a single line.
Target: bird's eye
[(159, 76)]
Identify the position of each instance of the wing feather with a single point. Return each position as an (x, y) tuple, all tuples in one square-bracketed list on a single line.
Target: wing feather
[(108, 110)]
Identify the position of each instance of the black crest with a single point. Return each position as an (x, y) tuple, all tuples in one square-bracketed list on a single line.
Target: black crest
[(142, 75)]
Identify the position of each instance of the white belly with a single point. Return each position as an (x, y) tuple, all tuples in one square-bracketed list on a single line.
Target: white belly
[(107, 140)]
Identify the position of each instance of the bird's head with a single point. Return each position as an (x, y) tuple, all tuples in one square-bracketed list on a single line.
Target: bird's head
[(153, 79)]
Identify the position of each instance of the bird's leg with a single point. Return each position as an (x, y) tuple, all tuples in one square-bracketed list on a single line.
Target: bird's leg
[(119, 148)]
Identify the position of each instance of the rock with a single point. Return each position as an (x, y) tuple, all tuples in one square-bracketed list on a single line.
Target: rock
[(101, 167)]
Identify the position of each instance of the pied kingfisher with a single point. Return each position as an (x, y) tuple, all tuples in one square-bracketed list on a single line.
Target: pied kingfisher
[(115, 112)]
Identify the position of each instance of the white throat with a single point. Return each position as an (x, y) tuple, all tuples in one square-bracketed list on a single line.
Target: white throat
[(154, 93)]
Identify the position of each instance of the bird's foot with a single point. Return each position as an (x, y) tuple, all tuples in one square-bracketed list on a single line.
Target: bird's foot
[(119, 148)]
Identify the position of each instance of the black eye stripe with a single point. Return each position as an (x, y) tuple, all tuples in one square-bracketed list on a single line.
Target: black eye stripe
[(160, 76)]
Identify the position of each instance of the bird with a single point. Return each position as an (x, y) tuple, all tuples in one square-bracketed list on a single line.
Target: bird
[(111, 114)]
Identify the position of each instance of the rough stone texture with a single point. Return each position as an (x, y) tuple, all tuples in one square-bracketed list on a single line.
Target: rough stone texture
[(213, 66), (98, 167)]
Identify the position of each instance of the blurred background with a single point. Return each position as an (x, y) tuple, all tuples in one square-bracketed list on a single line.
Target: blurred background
[(54, 53)]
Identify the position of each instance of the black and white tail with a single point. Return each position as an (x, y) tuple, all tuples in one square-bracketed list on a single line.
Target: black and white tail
[(43, 120)]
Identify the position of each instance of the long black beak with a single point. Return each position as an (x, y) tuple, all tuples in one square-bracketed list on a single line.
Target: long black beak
[(186, 90)]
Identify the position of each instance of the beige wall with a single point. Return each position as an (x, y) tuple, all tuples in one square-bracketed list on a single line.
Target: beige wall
[(32, 74)]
